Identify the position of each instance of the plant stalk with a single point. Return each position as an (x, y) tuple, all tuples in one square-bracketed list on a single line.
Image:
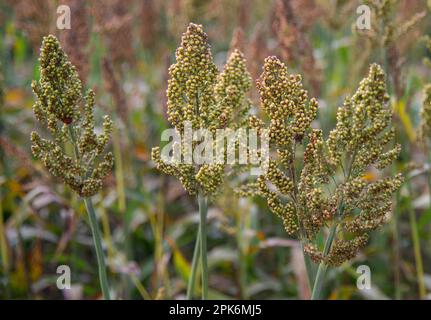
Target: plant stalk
[(321, 271), (241, 254), (98, 246), (309, 267), (416, 245), (193, 272), (203, 210)]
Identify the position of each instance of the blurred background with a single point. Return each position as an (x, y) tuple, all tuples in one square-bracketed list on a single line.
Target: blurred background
[(123, 49)]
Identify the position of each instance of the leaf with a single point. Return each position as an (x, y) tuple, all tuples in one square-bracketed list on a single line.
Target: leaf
[(180, 262), (400, 109)]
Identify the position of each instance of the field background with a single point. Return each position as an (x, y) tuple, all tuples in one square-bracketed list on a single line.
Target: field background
[(123, 50)]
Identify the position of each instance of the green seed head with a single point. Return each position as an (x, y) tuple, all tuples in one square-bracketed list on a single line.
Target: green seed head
[(68, 115)]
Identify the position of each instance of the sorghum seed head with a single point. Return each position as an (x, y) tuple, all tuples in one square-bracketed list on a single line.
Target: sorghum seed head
[(199, 94), (361, 139)]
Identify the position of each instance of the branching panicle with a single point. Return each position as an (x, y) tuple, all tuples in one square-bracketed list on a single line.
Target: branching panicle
[(330, 189), (200, 95), (58, 106)]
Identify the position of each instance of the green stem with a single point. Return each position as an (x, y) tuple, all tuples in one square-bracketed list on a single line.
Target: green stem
[(75, 145), (203, 209), (119, 178), (195, 261), (416, 246), (318, 283), (308, 267), (241, 254), (98, 246), (396, 248)]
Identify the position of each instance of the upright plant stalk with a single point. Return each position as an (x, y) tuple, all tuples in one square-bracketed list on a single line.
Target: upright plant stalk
[(98, 246), (352, 205), (241, 253), (201, 97), (119, 178), (309, 267), (321, 271), (416, 246), (417, 253), (203, 210), (397, 256), (424, 137), (68, 114), (103, 278), (195, 263)]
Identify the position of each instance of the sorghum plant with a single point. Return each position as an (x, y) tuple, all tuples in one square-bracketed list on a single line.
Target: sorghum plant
[(425, 115), (68, 116), (201, 96), (330, 191)]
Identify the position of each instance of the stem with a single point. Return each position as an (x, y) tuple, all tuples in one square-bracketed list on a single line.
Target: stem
[(241, 254), (193, 272), (119, 178), (318, 283), (396, 249), (309, 267), (75, 145), (203, 210), (98, 246), (94, 228), (416, 246)]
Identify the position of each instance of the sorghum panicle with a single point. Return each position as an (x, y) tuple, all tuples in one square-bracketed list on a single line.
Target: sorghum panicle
[(197, 93), (59, 107), (230, 93), (361, 140), (291, 113), (319, 198)]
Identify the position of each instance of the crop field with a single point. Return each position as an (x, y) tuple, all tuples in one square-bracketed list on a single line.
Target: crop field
[(215, 149)]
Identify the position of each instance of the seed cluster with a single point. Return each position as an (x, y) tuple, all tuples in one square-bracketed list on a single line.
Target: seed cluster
[(285, 101), (291, 113), (360, 141), (208, 99), (330, 189), (59, 107), (230, 91)]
